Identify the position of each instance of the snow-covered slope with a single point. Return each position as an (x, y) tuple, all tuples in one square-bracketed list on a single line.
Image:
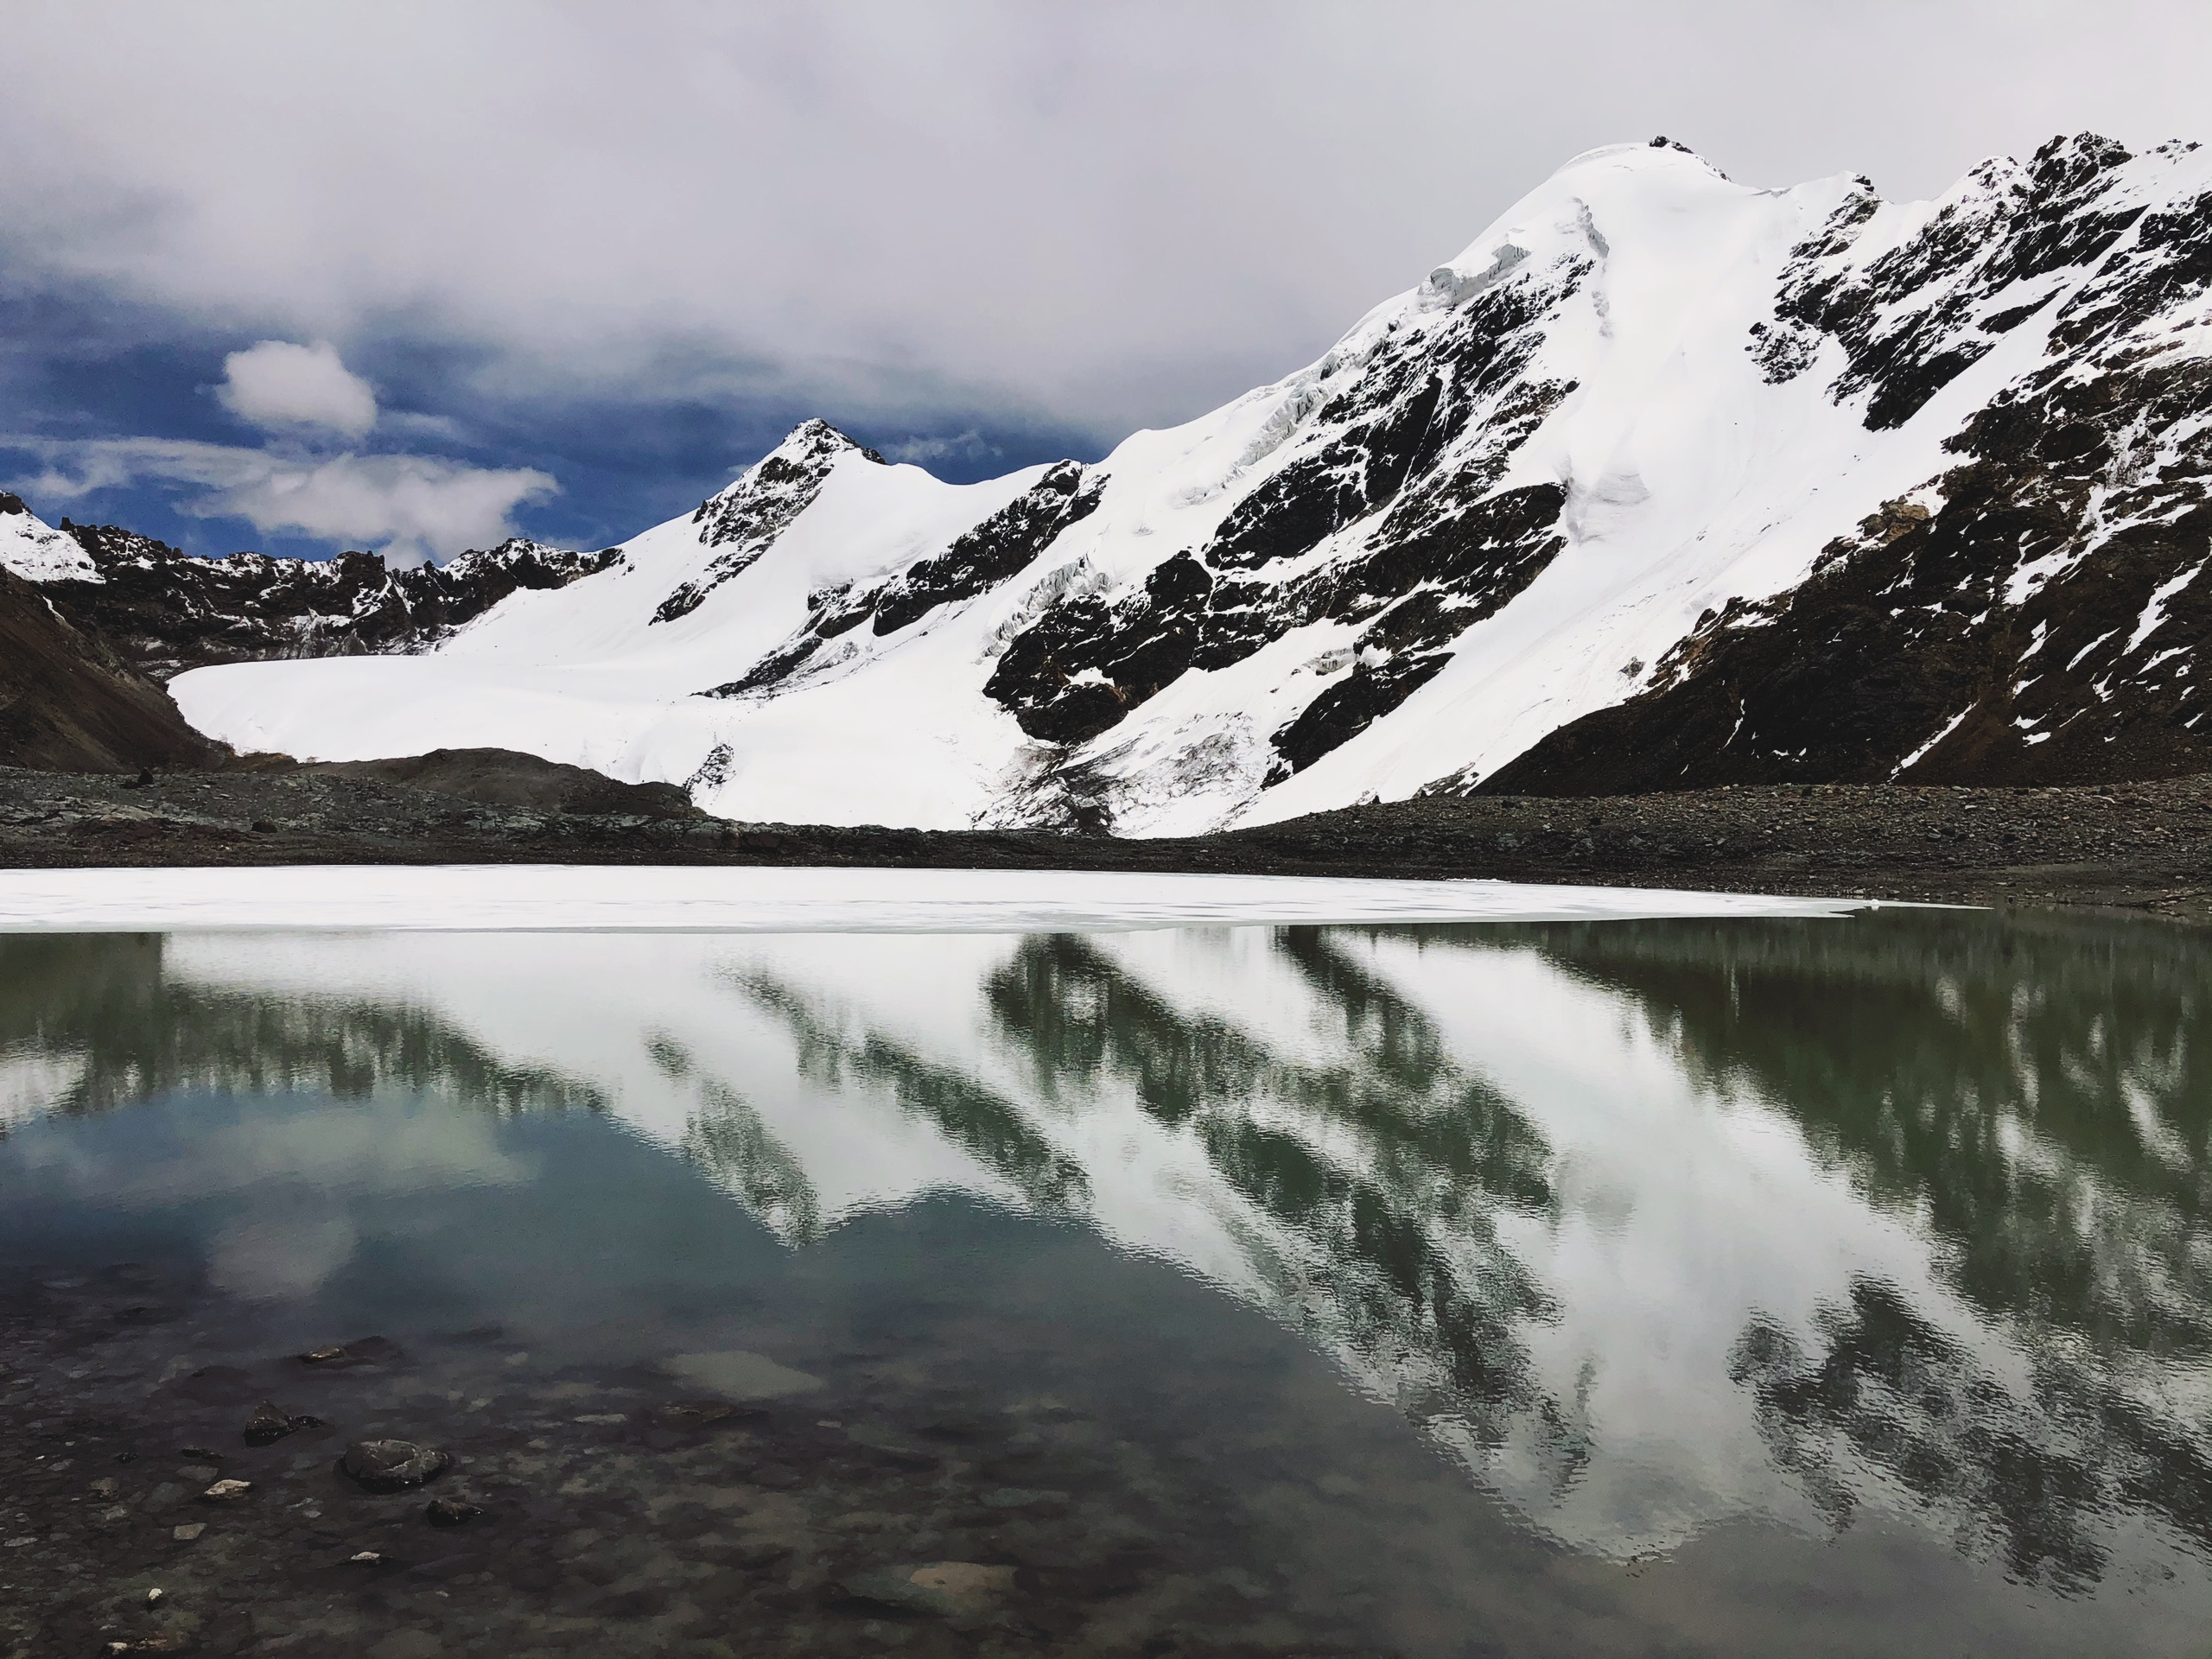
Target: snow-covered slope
[(36, 551), (1664, 480)]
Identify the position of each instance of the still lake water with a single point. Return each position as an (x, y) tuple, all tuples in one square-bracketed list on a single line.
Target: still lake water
[(1713, 1287)]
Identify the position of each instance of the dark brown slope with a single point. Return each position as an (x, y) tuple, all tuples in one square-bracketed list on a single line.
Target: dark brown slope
[(69, 703), (506, 778)]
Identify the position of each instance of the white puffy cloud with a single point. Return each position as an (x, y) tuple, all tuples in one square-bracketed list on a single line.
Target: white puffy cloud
[(1101, 214), (410, 507), (407, 507), (278, 386)]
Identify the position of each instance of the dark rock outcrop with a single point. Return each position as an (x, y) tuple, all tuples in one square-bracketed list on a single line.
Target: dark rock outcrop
[(508, 777), (165, 610)]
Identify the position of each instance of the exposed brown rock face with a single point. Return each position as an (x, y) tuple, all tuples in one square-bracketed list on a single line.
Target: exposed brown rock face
[(68, 702)]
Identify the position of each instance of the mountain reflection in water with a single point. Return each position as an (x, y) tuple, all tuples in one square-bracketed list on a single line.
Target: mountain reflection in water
[(1651, 1226)]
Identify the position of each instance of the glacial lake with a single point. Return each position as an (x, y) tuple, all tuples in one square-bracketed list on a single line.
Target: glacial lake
[(1725, 1287)]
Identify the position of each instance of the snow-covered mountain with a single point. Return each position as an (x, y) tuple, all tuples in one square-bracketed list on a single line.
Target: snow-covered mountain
[(1665, 480)]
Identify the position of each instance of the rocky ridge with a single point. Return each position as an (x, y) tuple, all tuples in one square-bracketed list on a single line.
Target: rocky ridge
[(166, 612)]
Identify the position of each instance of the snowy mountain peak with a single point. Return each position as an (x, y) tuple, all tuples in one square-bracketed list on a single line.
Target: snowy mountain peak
[(746, 518), (531, 561), (1664, 480), (36, 550)]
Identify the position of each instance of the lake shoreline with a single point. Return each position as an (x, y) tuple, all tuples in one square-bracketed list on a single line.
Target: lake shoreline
[(2142, 849)]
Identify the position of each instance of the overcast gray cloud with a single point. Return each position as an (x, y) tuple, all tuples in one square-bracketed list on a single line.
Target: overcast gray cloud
[(1100, 215)]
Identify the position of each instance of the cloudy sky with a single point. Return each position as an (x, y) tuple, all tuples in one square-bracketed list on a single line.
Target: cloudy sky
[(411, 277)]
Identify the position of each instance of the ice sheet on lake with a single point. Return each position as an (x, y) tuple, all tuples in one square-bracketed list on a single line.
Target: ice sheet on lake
[(569, 898)]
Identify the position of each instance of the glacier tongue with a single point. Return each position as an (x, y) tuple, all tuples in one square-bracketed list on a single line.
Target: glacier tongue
[(1665, 480)]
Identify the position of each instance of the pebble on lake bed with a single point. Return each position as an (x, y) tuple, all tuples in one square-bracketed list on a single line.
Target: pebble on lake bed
[(227, 1491), (188, 1531)]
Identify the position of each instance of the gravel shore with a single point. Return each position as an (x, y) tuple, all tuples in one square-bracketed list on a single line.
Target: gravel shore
[(2145, 847)]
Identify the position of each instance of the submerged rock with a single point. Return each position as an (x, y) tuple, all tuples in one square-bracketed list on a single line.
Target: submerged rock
[(704, 1413), (1020, 1497), (269, 1424), (894, 1448), (393, 1465), (935, 1587), (739, 1374), (451, 1511), (368, 1350)]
